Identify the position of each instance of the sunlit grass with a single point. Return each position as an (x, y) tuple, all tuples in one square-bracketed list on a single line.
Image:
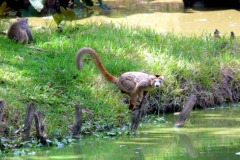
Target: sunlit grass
[(50, 78)]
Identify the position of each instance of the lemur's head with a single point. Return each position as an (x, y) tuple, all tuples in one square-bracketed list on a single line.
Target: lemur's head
[(157, 80), (22, 20)]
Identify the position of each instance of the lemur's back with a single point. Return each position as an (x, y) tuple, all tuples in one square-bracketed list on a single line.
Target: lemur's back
[(20, 31), (128, 81)]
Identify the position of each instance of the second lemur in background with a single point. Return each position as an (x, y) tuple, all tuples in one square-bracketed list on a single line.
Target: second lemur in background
[(20, 31), (216, 33), (232, 36)]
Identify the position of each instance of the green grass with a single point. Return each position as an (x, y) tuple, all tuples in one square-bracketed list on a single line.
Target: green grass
[(52, 80)]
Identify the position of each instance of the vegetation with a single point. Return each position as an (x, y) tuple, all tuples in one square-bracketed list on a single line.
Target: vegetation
[(37, 8), (49, 77)]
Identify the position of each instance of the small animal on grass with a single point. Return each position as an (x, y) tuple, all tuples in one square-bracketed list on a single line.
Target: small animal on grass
[(216, 33), (232, 35), (20, 31), (134, 84)]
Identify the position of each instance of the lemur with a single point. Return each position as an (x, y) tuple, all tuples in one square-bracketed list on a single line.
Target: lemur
[(134, 84)]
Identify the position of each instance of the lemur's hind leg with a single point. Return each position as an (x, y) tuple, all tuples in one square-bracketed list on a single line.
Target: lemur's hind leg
[(136, 99), (141, 95), (133, 101)]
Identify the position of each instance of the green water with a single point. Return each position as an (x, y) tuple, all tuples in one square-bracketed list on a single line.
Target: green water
[(212, 134)]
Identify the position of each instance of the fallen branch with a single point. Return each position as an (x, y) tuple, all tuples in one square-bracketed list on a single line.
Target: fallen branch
[(38, 49), (40, 127), (136, 115), (186, 111), (135, 119), (77, 121), (28, 121), (2, 105)]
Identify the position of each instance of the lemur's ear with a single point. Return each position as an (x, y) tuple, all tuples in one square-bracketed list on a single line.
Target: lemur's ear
[(153, 77), (160, 77)]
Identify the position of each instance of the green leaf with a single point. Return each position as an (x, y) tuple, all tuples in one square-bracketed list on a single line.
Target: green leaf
[(58, 18), (63, 10), (69, 14), (4, 9)]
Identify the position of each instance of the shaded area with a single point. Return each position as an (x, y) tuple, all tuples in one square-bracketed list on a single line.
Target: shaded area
[(210, 4), (126, 7), (49, 6)]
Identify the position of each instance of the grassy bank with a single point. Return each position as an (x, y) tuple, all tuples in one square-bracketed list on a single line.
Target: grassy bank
[(199, 65)]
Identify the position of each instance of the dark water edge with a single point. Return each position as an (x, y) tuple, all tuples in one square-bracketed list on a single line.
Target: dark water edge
[(208, 134)]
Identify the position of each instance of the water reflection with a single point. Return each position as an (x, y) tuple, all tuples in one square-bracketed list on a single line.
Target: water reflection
[(126, 7), (138, 154), (171, 16), (153, 14), (203, 137), (187, 143)]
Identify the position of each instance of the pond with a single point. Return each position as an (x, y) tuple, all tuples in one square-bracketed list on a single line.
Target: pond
[(207, 134), (170, 16), (160, 15)]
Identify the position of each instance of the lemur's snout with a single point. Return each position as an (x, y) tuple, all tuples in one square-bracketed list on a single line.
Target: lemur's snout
[(157, 84)]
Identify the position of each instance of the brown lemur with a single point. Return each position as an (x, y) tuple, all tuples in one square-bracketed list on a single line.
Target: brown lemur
[(134, 84), (20, 31)]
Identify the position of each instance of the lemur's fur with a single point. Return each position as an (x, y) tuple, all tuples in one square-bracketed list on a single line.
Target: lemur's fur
[(135, 84), (20, 31)]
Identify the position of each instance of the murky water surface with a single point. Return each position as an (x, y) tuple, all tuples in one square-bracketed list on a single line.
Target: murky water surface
[(163, 16), (208, 134)]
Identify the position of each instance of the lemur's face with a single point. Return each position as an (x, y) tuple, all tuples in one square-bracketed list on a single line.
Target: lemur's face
[(157, 81)]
